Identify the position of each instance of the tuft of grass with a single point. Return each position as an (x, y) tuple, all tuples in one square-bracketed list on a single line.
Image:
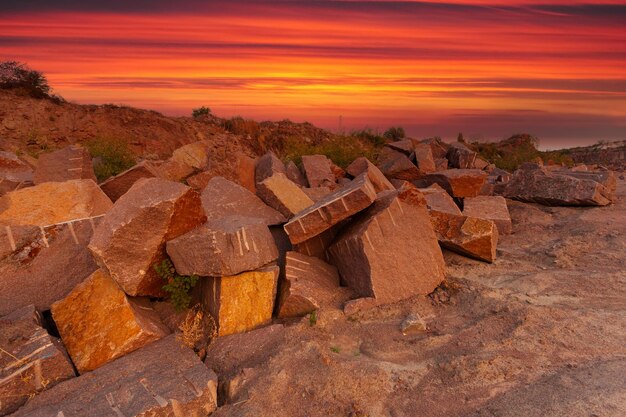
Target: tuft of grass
[(395, 133), (113, 154), (335, 349), (177, 286), (313, 319)]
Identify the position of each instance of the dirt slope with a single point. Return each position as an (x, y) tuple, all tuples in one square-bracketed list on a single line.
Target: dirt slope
[(538, 333)]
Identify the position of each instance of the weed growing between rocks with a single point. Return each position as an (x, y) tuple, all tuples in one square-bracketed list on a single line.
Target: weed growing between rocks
[(111, 156), (177, 286)]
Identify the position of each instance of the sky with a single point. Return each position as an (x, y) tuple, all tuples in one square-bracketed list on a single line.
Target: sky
[(487, 68)]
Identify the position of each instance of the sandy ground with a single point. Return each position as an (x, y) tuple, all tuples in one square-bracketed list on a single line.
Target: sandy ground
[(541, 332)]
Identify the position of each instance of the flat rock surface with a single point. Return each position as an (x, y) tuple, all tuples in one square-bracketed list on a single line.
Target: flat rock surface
[(71, 163), (224, 246), (469, 236), (117, 186), (221, 198), (53, 202), (284, 195), (540, 332), (163, 379), (31, 359), (41, 265), (458, 182), (318, 171), (131, 238), (99, 323), (377, 178), (489, 208)]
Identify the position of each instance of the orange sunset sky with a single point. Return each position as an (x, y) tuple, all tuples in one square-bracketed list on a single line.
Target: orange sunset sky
[(489, 69)]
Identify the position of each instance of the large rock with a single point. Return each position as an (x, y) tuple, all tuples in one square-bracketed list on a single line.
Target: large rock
[(490, 208), (318, 171), (606, 178), (441, 164), (317, 193), (224, 246), (163, 379), (99, 323), (460, 156), (52, 203), (317, 245), (438, 148), (241, 302), (117, 186), (363, 165), (30, 361), (469, 236), (282, 194), (221, 198), (173, 170), (295, 175), (200, 180), (332, 209), (268, 165), (406, 146), (14, 169), (389, 252), (307, 284), (424, 158), (533, 183), (458, 182), (438, 199), (397, 165), (246, 172), (131, 238), (41, 265), (71, 163), (195, 155)]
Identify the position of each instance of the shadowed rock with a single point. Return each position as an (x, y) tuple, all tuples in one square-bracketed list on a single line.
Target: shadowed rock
[(163, 379), (377, 178), (424, 158), (241, 302), (332, 209), (71, 163), (307, 284), (283, 195), (224, 246), (13, 172), (533, 183), (295, 175), (221, 198), (131, 238), (117, 186), (469, 236), (460, 156), (441, 164), (53, 202), (31, 360), (99, 323), (389, 252), (268, 165), (318, 171), (489, 208), (246, 171), (41, 265), (457, 182), (397, 165)]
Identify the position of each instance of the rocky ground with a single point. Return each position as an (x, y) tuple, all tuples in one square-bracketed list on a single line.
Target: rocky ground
[(540, 332)]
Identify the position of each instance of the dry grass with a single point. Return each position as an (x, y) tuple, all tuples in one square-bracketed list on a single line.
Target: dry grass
[(198, 329)]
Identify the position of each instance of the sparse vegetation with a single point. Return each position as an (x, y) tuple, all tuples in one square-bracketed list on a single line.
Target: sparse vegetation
[(335, 349), (313, 319), (197, 329), (112, 156), (17, 75), (240, 126), (177, 286), (395, 133), (200, 111)]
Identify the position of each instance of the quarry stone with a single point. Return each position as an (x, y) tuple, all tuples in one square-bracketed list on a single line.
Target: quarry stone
[(424, 158), (13, 169), (458, 182), (99, 323), (316, 193), (268, 165), (397, 165), (117, 186), (221, 198), (195, 155), (377, 178), (71, 163), (246, 172), (131, 238), (469, 236), (163, 379), (490, 208), (318, 171), (332, 209), (460, 156), (223, 246), (295, 175), (282, 194)]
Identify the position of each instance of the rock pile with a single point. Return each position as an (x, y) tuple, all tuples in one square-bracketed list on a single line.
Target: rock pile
[(283, 243)]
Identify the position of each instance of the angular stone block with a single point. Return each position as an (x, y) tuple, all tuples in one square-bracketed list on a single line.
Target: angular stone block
[(268, 165), (438, 199), (14, 169), (71, 163), (389, 252), (317, 245), (460, 156), (307, 284), (317, 193), (195, 155), (377, 178), (31, 360), (224, 246), (99, 323), (441, 164), (438, 147), (52, 203), (117, 186), (221, 198), (332, 209), (282, 194), (163, 379), (174, 170), (41, 265), (490, 208), (241, 302), (200, 180), (131, 238), (406, 146), (246, 172), (424, 158), (318, 171), (295, 175), (397, 165), (458, 182)]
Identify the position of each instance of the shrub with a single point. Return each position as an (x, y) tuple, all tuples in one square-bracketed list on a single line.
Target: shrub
[(394, 133), (15, 74), (373, 137), (240, 126), (201, 111), (112, 156), (177, 286)]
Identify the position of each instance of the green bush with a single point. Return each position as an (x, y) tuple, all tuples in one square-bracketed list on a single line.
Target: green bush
[(177, 286), (113, 156), (395, 133), (200, 111)]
